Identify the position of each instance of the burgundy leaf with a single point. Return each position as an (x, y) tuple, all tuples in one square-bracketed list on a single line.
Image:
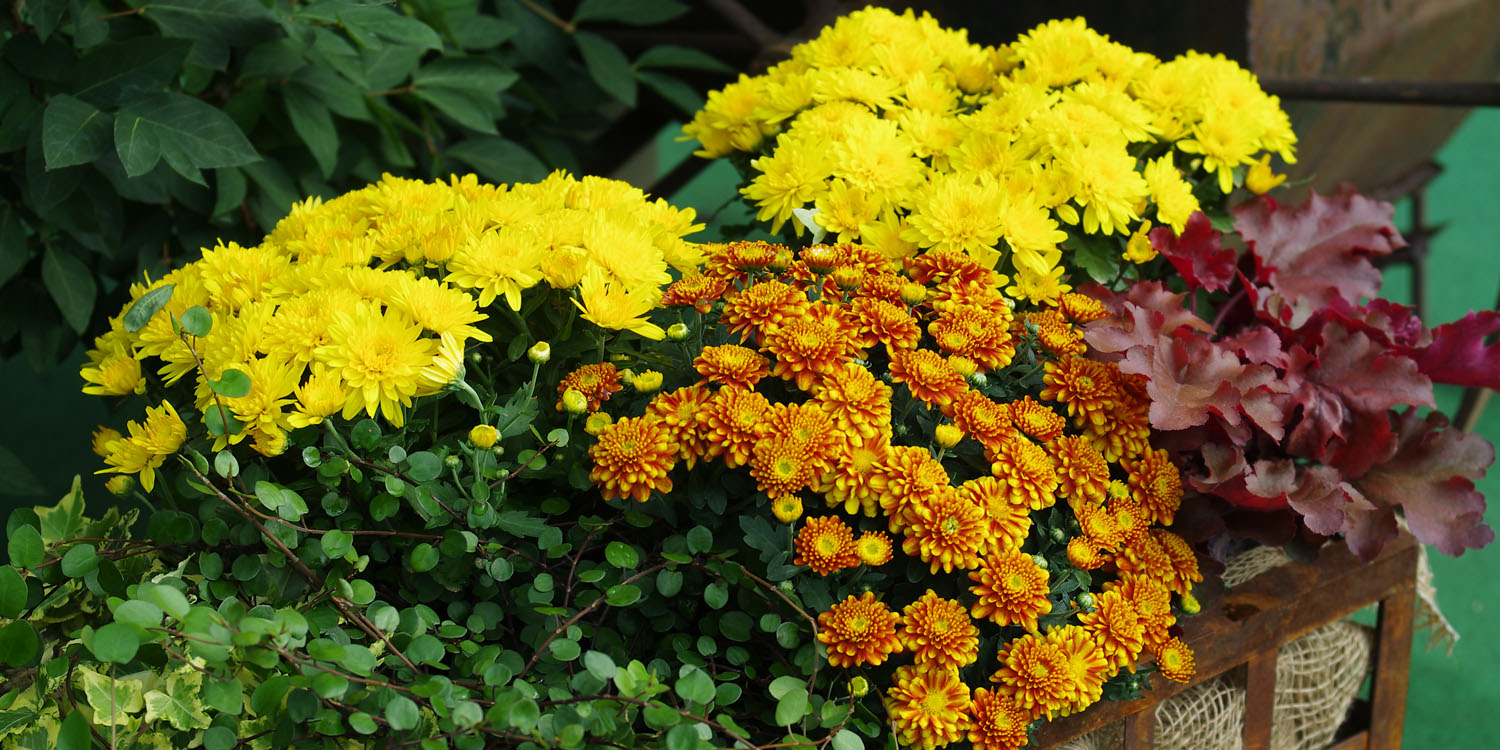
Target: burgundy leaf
[(1190, 379), (1143, 316), (1458, 354), (1196, 253)]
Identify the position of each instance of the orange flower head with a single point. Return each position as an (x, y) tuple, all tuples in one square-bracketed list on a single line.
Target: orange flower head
[(597, 382), (880, 321), (1087, 388), (908, 475), (1028, 472), (731, 423), (1126, 433), (1009, 522), (928, 376), (854, 465), (1012, 590), (1056, 334), (1084, 553), (1175, 661), (811, 427), (810, 347), (1141, 554), (983, 295), (677, 411), (782, 466), (1037, 419), (859, 631), (737, 259), (987, 421), (997, 723), (881, 285), (975, 333), (1087, 668), (1154, 603), (632, 458), (1184, 561), (731, 364), (874, 548), (825, 544), (1034, 673), (1082, 473), (928, 706), (1154, 479), (1117, 628), (1081, 308), (944, 266), (858, 402), (939, 632), (761, 308), (699, 291), (946, 531)]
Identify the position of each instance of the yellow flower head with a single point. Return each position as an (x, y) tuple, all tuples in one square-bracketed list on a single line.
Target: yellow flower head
[(380, 357), (608, 304), (929, 706)]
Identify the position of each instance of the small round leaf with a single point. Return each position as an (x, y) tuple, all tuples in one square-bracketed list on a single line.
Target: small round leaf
[(621, 555), (12, 592), (424, 557), (115, 643), (196, 321)]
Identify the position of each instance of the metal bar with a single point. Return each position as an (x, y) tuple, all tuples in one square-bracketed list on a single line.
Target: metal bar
[(1428, 93)]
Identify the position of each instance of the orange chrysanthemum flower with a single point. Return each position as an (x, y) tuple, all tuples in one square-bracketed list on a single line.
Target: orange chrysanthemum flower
[(1082, 473), (859, 631), (737, 259), (944, 266), (814, 429), (1081, 308), (1117, 628), (1056, 334), (1034, 673), (1156, 482), (946, 531), (731, 364), (811, 346), (782, 466), (985, 295), (825, 544), (975, 333), (1141, 554), (730, 424), (881, 285), (939, 631), (597, 382), (859, 403), (987, 421), (928, 376), (1012, 590), (908, 475), (1028, 472), (1175, 660), (1084, 553), (874, 548), (1087, 668), (1153, 601), (928, 706), (1087, 388), (1184, 561), (632, 459), (1125, 508), (854, 466), (761, 308), (880, 321), (699, 292), (677, 411), (1037, 419), (1009, 522), (1127, 432), (997, 723)]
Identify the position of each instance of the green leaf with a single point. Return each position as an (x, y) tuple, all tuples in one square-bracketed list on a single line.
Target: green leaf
[(682, 737), (660, 716), (468, 108), (227, 696), (716, 595), (179, 704), (792, 706), (847, 740), (636, 12), (336, 544), (735, 625), (169, 599), (197, 321), (622, 595), (142, 309), (221, 738), (621, 555), (423, 466), (424, 557), (674, 90), (364, 434), (608, 66), (70, 282), (73, 132), (189, 133), (19, 644), (524, 715), (74, 733), (1097, 255), (221, 422), (674, 56), (499, 159), (368, 23), (139, 613), (564, 649), (110, 74), (13, 593), (12, 721), (471, 74), (233, 383), (225, 464), (79, 560), (362, 722), (668, 583), (695, 685), (314, 125), (700, 540), (785, 684), (229, 190), (44, 15), (25, 547), (115, 643), (402, 713), (214, 25), (15, 253), (599, 664)]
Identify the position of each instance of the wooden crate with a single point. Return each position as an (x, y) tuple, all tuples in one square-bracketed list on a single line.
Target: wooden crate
[(1254, 620)]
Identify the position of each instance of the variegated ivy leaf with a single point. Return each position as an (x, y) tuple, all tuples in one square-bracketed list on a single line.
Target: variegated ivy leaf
[(180, 704), (113, 700)]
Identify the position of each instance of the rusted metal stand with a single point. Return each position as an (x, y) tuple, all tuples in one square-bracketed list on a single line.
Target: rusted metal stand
[(1251, 624)]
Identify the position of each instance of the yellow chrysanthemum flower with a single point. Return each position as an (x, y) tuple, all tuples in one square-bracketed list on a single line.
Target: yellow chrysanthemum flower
[(609, 304), (380, 357)]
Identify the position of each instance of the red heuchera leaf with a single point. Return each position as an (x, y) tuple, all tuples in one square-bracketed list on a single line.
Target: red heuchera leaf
[(1458, 354), (1430, 474), (1310, 255), (1196, 253), (1143, 316), (1190, 379), (1385, 321)]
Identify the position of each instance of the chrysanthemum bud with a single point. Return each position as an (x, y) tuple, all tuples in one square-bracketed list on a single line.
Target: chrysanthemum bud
[(677, 331), (647, 382), (475, 356), (781, 261), (1058, 535), (787, 508), (539, 352), (859, 687), (452, 460), (913, 294), (848, 278), (1190, 604), (483, 436), (574, 402), (947, 435), (596, 423), (1086, 601), (1041, 562), (979, 380), (820, 259), (120, 485)]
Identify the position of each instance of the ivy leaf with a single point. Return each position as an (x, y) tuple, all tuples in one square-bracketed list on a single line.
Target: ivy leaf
[(179, 704), (113, 701), (608, 66), (73, 132)]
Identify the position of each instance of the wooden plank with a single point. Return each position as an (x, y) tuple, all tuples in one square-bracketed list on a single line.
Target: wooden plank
[(1260, 699), (1140, 730), (1392, 665), (1275, 607), (1359, 741)]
